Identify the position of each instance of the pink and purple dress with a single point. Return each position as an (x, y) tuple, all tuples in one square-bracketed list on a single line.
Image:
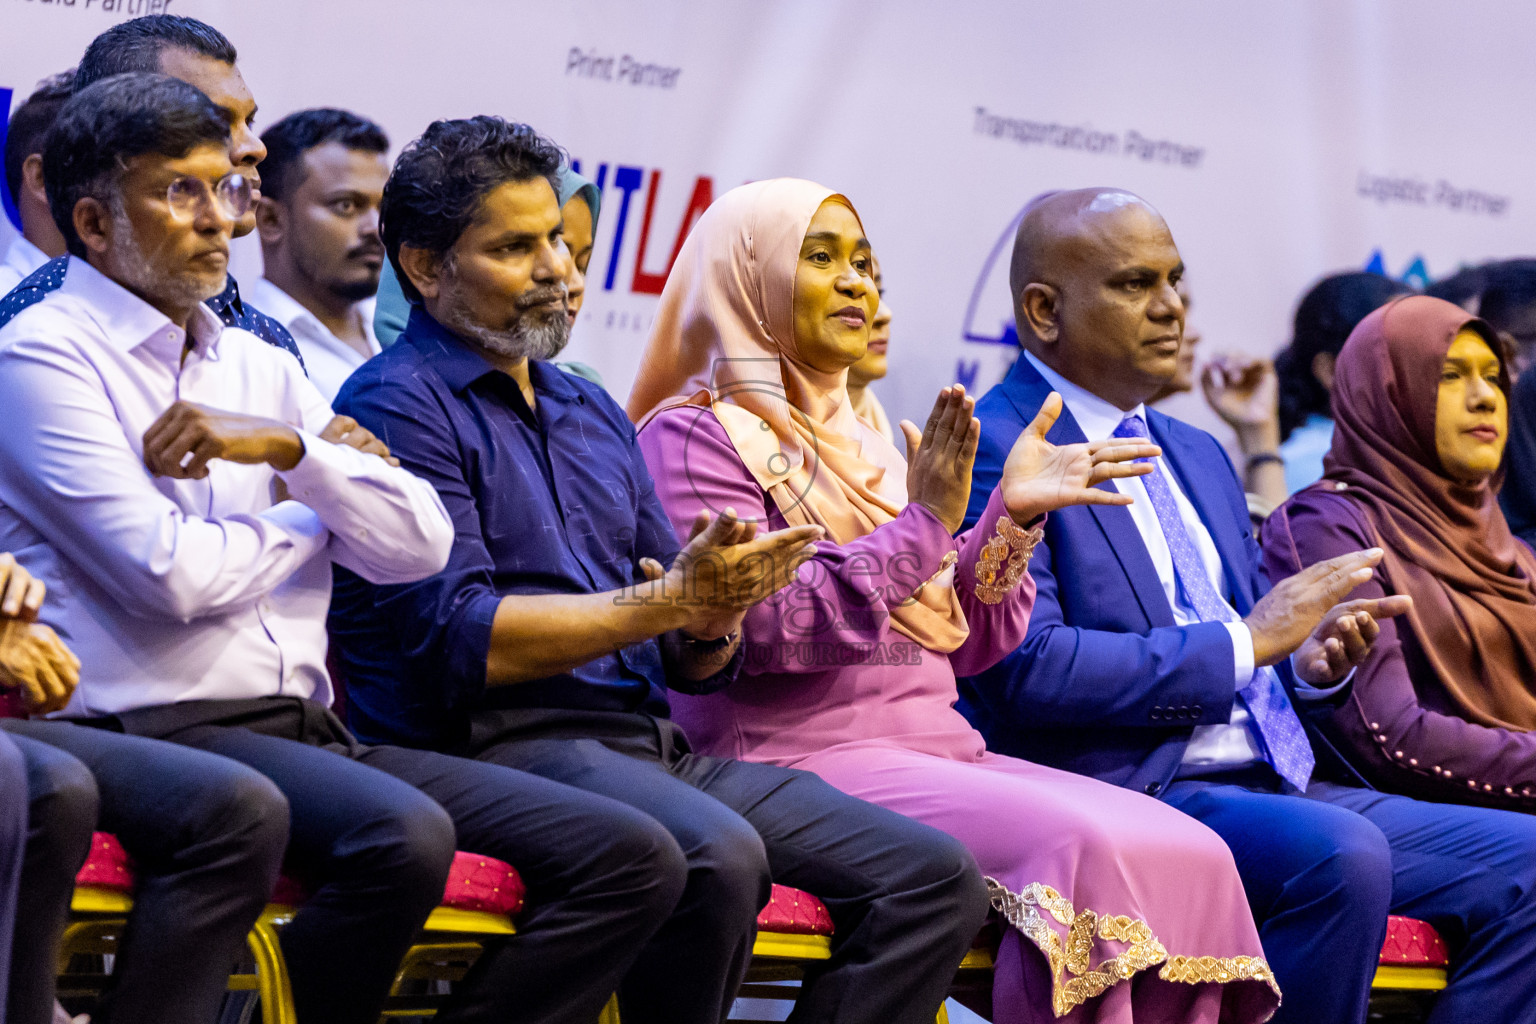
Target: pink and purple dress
[(1121, 907)]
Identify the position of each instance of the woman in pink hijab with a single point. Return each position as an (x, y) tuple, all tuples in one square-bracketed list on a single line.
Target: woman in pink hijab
[(1122, 909)]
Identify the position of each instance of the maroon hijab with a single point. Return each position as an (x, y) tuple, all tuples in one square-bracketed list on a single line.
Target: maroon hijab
[(1447, 544)]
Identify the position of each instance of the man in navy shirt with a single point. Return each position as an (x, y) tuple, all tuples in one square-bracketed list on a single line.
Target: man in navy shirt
[(537, 648), (199, 55)]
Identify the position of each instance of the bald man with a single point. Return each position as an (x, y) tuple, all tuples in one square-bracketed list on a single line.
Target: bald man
[(1158, 658)]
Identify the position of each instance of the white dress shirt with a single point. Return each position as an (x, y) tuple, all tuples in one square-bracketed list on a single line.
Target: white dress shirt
[(21, 258), (329, 360), (174, 590), (1233, 743)]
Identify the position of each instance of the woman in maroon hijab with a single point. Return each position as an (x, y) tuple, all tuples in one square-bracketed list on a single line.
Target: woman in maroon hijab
[(1444, 708)]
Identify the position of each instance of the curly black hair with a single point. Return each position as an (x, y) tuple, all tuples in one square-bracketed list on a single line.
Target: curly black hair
[(441, 178)]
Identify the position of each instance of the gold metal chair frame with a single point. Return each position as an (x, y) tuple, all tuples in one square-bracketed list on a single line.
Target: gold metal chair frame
[(452, 939)]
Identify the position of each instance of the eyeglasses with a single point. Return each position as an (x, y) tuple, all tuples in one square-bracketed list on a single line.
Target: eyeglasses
[(186, 196)]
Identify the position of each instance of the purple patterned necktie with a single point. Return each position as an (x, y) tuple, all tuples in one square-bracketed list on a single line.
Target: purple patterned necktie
[(1289, 750)]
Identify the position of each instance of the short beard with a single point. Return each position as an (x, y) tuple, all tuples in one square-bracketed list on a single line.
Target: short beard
[(348, 291), (533, 336), (354, 291), (136, 274)]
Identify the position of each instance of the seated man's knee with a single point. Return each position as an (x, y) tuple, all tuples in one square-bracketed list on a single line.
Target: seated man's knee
[(946, 869), (63, 806), (407, 849), (728, 873), (642, 856), (938, 869), (1353, 864), (244, 814)]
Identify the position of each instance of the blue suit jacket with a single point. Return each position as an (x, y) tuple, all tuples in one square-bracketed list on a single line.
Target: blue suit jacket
[(1105, 683)]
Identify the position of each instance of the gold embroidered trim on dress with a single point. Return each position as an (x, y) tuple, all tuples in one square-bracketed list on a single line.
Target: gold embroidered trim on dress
[(993, 580), (1193, 970), (1022, 910)]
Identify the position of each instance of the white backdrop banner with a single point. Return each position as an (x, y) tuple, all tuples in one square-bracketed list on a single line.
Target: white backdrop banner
[(1281, 141)]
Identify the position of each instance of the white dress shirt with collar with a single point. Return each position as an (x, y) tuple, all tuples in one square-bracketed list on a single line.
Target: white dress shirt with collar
[(174, 590), (329, 360), (21, 258), (1230, 744)]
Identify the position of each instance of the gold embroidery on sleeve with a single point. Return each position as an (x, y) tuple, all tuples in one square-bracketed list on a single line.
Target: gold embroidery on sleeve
[(995, 577), (1074, 979), (949, 559)]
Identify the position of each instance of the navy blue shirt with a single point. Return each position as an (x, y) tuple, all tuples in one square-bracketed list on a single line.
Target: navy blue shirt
[(227, 304), (556, 501)]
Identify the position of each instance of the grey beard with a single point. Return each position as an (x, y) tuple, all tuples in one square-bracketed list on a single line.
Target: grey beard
[(527, 339), (140, 278)]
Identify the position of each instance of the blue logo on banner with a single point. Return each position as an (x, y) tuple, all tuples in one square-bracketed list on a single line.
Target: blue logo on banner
[(11, 213), (1415, 274), (989, 314)]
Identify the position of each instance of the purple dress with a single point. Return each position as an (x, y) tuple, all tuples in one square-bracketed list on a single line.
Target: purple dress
[(1129, 908), (1399, 729)]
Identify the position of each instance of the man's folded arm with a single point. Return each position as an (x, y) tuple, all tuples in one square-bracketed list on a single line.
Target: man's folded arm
[(386, 525), (68, 469)]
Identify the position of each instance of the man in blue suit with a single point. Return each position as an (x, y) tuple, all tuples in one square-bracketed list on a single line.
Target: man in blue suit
[(1159, 659)]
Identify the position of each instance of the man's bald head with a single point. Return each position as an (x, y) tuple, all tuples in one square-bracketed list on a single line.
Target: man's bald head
[(1057, 222), (1094, 277)]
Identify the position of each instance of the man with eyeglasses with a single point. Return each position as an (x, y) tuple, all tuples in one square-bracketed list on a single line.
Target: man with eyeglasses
[(146, 448), (199, 55)]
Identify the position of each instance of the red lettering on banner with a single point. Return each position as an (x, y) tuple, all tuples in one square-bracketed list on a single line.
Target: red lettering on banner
[(703, 194)]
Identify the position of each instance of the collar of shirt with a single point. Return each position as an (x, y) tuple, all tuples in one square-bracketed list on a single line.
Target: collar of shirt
[(1098, 420), (22, 257), (229, 298), (127, 321), (1096, 417), (461, 366), (302, 323)]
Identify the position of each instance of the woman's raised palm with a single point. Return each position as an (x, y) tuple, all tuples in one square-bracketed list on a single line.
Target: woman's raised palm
[(1040, 477)]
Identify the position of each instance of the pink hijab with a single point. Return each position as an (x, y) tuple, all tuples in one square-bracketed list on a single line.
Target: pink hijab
[(723, 338)]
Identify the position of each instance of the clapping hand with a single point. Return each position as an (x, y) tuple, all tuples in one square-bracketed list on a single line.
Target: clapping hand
[(32, 657), (1344, 638), (21, 593), (1303, 614), (940, 457), (1040, 477), (727, 567)]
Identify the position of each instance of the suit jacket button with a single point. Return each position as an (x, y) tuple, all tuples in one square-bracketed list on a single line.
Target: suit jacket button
[(1153, 788)]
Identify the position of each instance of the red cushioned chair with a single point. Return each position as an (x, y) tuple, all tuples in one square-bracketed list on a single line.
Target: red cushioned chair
[(479, 901), (1413, 958)]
